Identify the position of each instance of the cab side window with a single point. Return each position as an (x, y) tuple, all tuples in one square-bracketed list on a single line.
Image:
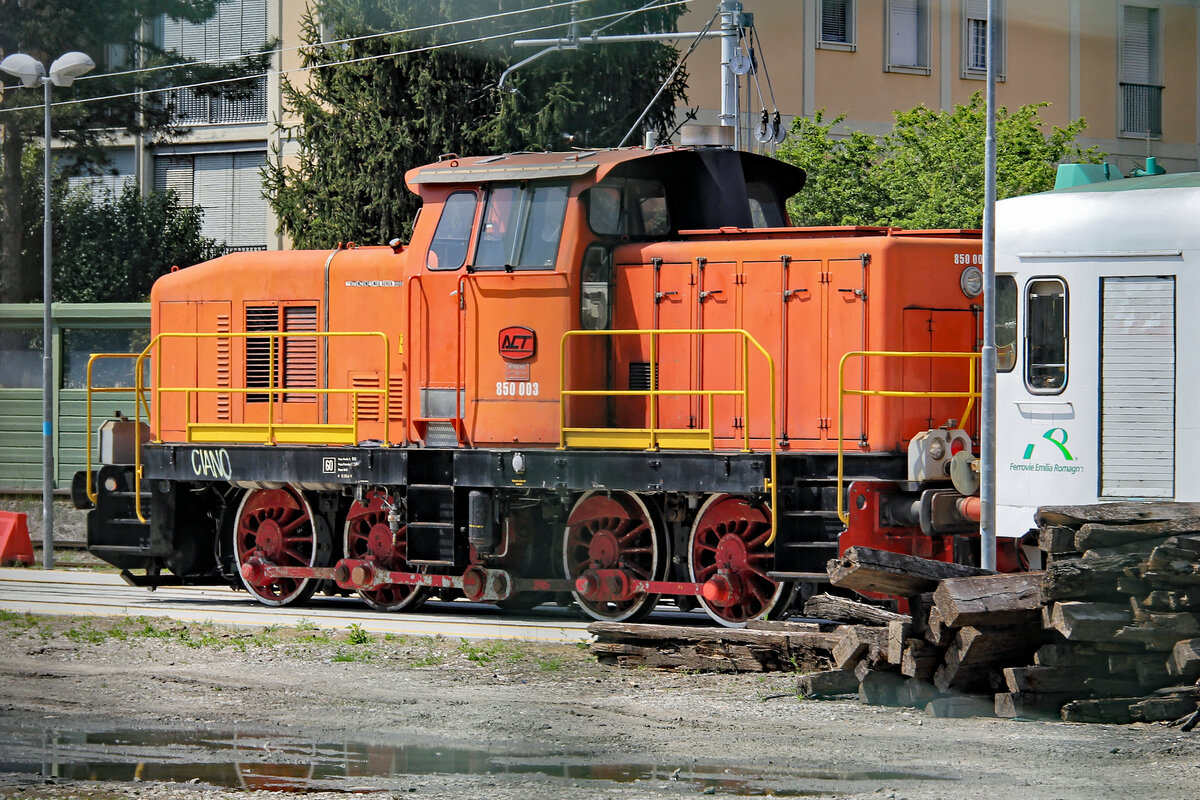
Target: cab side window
[(1046, 336), (449, 247)]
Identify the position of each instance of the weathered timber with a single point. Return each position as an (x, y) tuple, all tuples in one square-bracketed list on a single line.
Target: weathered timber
[(843, 609), (1044, 680), (962, 706), (1070, 654), (867, 570), (637, 632), (779, 625), (976, 651), (879, 688), (1089, 622), (827, 684), (921, 659), (701, 656), (994, 600), (1184, 661), (1057, 539), (916, 693), (1173, 558), (919, 607), (1082, 579), (1152, 673), (1133, 584), (1148, 636), (1114, 710), (936, 631), (1129, 512), (1099, 536), (1166, 600), (1029, 704), (897, 636), (1179, 575), (1162, 709), (859, 642)]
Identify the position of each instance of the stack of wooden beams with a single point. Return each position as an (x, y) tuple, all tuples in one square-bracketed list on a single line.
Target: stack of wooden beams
[(1121, 591), (762, 646), (947, 656)]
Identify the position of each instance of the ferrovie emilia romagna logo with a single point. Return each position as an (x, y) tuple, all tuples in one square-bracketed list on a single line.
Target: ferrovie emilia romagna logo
[(1048, 453)]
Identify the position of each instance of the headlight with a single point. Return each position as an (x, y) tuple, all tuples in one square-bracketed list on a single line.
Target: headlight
[(937, 449), (971, 282)]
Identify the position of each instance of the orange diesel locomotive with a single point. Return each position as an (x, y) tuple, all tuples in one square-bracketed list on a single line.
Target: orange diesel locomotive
[(616, 374)]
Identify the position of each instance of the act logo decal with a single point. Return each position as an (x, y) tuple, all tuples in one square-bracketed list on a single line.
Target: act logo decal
[(517, 343), (1057, 459), (1056, 437)]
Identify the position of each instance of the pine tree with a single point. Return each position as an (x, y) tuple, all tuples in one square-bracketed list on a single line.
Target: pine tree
[(418, 95)]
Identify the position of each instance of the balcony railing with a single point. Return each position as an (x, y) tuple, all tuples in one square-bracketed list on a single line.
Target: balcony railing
[(1141, 107), (192, 108)]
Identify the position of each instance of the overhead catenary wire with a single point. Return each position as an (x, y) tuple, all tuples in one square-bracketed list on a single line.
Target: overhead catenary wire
[(376, 57), (682, 60), (335, 42)]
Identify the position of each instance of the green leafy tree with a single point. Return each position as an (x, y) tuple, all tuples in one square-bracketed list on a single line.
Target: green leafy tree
[(928, 172), (109, 32), (110, 249), (360, 126)]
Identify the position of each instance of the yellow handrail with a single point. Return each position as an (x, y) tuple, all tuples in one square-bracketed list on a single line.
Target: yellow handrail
[(653, 432), (153, 410), (138, 399), (970, 395)]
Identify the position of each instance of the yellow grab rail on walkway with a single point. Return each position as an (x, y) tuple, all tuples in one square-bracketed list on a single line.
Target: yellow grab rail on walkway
[(269, 432), (970, 394), (654, 437), (139, 401)]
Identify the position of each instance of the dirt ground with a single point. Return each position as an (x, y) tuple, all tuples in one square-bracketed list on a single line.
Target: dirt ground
[(161, 710)]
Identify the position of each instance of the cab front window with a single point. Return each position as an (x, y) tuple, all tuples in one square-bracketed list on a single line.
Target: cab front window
[(522, 227)]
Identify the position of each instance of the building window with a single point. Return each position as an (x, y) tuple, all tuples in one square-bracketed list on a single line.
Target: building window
[(907, 36), (1141, 76), (974, 39), (111, 179), (227, 186), (1046, 336), (835, 24), (239, 27)]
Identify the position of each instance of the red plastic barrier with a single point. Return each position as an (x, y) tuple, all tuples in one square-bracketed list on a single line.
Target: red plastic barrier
[(15, 546)]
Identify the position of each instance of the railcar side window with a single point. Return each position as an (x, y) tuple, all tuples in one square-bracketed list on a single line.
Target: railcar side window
[(1006, 323), (449, 247), (1046, 336)]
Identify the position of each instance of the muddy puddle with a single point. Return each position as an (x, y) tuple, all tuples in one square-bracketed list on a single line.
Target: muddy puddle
[(257, 762)]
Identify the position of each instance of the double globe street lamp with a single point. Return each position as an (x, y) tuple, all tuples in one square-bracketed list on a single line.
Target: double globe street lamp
[(63, 72)]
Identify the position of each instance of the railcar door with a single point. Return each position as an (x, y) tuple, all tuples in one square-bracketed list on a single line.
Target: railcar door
[(846, 323)]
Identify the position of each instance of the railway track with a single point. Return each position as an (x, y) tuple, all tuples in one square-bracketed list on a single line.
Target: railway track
[(87, 593)]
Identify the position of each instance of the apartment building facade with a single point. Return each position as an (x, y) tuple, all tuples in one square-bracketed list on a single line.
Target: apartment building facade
[(1129, 67), (217, 164)]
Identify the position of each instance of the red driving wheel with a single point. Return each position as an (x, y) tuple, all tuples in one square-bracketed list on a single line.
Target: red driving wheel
[(614, 531), (728, 552), (369, 538), (276, 526)]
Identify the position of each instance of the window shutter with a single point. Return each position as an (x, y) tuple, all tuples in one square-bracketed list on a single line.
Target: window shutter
[(213, 185), (248, 227), (174, 172), (1137, 50), (834, 19), (905, 27)]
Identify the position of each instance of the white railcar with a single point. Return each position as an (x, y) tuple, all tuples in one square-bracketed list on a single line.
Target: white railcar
[(1097, 319)]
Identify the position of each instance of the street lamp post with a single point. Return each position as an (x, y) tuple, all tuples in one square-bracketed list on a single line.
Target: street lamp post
[(63, 72)]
